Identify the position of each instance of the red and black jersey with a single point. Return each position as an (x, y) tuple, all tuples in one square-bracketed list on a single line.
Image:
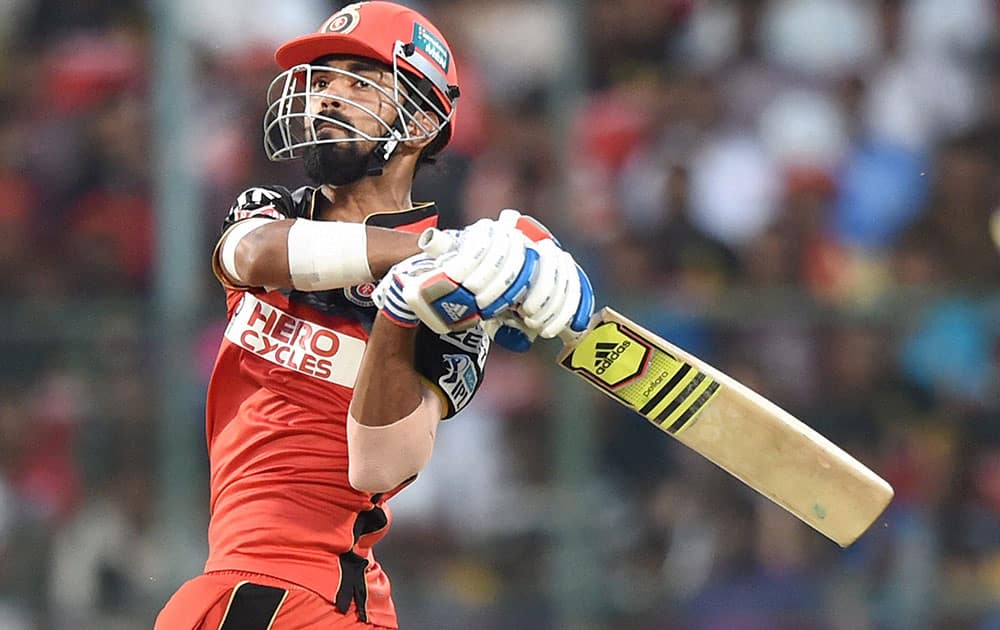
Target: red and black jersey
[(281, 503)]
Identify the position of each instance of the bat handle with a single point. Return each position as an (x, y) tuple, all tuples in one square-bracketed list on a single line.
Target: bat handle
[(570, 338), (515, 337), (435, 242)]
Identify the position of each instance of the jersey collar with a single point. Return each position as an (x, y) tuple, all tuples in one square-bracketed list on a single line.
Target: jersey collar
[(415, 219)]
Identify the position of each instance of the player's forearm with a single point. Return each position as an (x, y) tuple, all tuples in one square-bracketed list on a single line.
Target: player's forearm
[(388, 386), (388, 247), (393, 417), (261, 257)]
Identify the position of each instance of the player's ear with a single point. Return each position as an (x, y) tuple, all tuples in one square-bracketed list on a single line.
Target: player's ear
[(421, 124)]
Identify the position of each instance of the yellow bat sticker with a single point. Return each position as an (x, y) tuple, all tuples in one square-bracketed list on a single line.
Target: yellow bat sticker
[(667, 391), (609, 356)]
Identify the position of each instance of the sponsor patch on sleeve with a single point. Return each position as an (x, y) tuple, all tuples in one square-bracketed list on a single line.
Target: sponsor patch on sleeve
[(474, 341), (459, 380)]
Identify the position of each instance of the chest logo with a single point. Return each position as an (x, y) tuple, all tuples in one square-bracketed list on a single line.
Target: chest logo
[(294, 343)]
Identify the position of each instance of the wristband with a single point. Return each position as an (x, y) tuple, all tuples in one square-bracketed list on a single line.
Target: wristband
[(324, 255)]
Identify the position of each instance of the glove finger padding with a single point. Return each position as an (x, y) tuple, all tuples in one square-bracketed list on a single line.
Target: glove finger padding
[(493, 263), (388, 295), (531, 227), (475, 243), (389, 299), (559, 308), (560, 297), (549, 288), (585, 310), (543, 285), (498, 268)]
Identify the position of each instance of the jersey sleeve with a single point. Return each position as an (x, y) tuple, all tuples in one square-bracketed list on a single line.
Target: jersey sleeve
[(267, 202), (262, 202), (452, 364)]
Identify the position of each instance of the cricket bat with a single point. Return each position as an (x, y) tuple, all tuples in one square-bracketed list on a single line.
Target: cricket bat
[(734, 427), (725, 421)]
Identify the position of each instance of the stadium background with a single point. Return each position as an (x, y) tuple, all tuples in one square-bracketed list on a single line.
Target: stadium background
[(796, 190)]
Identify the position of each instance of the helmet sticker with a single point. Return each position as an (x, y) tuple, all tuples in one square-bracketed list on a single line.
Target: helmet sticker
[(433, 47), (343, 21)]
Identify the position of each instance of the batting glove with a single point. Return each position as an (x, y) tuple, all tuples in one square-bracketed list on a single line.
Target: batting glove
[(416, 290), (560, 297), (519, 297)]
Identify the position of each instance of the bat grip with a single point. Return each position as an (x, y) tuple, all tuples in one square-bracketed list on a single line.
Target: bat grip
[(435, 242), (570, 338)]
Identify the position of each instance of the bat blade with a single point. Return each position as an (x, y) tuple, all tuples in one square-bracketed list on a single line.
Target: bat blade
[(736, 428)]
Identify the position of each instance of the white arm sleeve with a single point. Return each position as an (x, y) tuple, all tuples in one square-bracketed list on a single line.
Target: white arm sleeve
[(381, 458)]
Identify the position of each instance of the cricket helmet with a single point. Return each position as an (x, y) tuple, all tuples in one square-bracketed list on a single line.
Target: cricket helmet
[(424, 79)]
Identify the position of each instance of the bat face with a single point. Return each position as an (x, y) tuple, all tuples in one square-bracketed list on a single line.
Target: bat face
[(729, 424), (659, 386)]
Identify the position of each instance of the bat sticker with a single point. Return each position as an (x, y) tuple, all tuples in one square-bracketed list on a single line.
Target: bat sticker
[(664, 389)]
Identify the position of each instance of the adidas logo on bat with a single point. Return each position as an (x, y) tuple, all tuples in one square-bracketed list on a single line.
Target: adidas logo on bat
[(605, 354), (602, 350)]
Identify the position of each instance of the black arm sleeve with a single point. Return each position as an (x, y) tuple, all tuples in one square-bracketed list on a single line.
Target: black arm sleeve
[(453, 363)]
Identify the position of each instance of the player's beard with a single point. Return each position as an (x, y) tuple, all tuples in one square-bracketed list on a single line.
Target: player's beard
[(335, 164)]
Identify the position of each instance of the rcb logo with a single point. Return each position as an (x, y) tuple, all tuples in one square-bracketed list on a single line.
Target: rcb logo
[(343, 21), (361, 294)]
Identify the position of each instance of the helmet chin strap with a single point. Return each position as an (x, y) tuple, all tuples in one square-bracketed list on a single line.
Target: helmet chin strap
[(380, 155), (383, 151)]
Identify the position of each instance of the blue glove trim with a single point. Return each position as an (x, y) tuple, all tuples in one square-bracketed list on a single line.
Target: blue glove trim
[(512, 339), (457, 306), (586, 308), (396, 308), (513, 292)]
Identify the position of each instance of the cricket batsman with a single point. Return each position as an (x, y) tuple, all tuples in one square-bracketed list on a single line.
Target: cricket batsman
[(346, 345)]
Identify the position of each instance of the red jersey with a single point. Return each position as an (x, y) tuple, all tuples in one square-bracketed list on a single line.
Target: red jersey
[(281, 503)]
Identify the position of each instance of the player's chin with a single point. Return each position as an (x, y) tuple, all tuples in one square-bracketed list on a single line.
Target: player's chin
[(336, 163)]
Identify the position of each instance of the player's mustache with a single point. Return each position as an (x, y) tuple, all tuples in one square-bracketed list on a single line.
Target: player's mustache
[(333, 119)]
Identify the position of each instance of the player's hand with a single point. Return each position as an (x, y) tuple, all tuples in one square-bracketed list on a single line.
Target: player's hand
[(416, 290), (560, 297), (490, 260), (549, 300), (493, 258)]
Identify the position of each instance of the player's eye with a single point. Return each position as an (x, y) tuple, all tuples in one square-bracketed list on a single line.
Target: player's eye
[(319, 84), (362, 83)]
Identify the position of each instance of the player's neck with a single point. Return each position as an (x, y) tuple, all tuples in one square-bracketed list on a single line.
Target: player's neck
[(389, 192)]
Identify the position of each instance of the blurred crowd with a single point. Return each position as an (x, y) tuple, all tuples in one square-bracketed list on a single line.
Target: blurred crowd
[(796, 190)]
